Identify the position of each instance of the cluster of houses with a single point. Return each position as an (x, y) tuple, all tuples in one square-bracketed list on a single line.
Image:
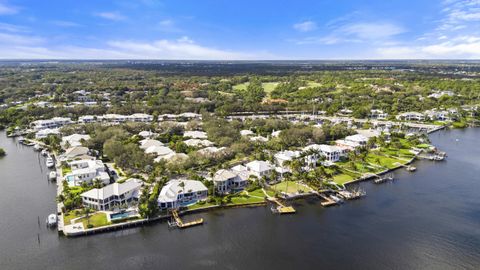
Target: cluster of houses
[(432, 115)]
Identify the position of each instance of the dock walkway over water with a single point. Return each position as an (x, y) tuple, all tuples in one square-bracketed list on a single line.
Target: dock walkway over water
[(180, 224), (281, 208)]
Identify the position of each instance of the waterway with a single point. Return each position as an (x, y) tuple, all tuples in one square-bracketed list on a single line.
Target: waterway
[(429, 219)]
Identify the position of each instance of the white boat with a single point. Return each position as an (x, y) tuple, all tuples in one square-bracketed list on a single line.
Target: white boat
[(50, 162), (21, 139), (44, 152), (52, 175), (51, 220)]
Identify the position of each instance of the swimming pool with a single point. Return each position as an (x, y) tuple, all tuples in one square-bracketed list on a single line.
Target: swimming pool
[(120, 215)]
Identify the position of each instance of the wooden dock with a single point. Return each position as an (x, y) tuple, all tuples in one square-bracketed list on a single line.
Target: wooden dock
[(327, 201), (281, 208), (180, 224)]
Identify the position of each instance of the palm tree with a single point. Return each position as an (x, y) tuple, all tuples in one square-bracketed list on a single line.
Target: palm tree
[(86, 212)]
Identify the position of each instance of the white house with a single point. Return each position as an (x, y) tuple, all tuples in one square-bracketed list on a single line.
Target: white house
[(246, 132), (329, 152), (87, 119), (378, 114), (114, 118), (226, 181), (86, 171), (282, 157), (358, 139), (179, 193), (198, 142), (259, 168), (195, 134), (74, 140), (411, 116), (111, 195), (159, 150), (140, 117), (55, 122), (146, 143), (74, 153), (44, 133)]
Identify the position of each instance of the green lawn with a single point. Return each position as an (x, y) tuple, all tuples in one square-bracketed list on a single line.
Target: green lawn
[(383, 161), (200, 205), (289, 187), (268, 86), (67, 217), (342, 178), (257, 193), (66, 170), (96, 219), (243, 199)]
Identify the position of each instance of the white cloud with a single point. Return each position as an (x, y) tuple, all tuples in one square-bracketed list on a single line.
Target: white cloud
[(111, 15), (16, 39), (358, 32), (371, 30), (462, 47), (7, 9), (13, 28), (24, 47), (305, 26)]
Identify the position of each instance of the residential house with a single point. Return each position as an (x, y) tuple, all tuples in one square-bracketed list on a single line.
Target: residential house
[(55, 122), (411, 116), (180, 193), (259, 168), (74, 140), (195, 134), (112, 195)]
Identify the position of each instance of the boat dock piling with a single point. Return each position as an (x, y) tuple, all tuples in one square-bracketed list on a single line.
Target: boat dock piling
[(180, 224), (327, 200)]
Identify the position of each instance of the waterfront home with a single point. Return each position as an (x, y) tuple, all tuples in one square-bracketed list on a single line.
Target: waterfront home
[(259, 168), (411, 116), (74, 140), (112, 195), (331, 153), (44, 133), (198, 143), (442, 115), (195, 134), (146, 143), (179, 193), (55, 122), (98, 165), (226, 181)]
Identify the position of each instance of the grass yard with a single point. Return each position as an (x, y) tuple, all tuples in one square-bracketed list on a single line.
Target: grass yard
[(97, 220), (342, 178), (201, 205), (257, 193), (268, 86), (289, 187), (384, 161), (67, 217), (243, 199)]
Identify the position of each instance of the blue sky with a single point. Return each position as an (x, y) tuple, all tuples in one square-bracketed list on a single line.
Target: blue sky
[(229, 30)]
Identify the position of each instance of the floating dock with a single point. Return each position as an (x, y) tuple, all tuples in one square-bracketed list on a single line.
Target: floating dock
[(281, 208), (180, 224)]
